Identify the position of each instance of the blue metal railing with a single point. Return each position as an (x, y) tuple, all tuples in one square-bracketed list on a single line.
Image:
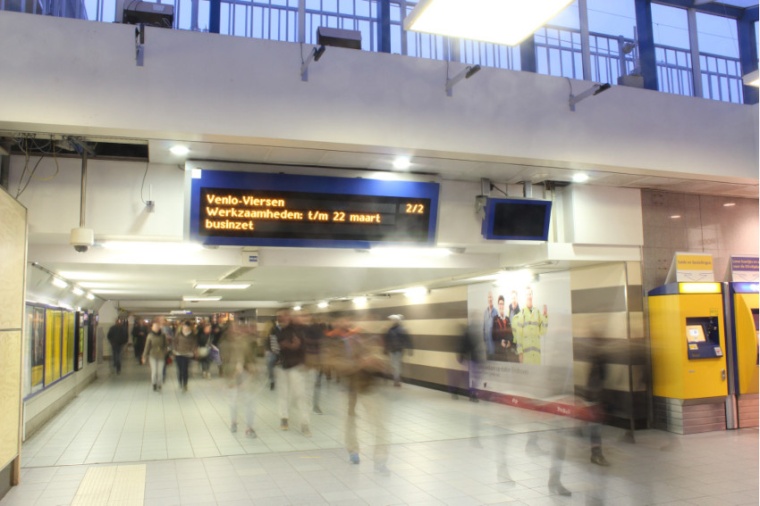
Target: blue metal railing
[(559, 50)]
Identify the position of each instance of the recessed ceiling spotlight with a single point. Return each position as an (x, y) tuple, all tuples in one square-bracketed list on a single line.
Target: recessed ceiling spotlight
[(580, 178), (402, 163), (179, 150)]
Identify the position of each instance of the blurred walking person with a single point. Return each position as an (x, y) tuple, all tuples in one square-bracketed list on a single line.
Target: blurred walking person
[(185, 347), (117, 336), (396, 342), (155, 350), (361, 362), (237, 348), (290, 371), (204, 341)]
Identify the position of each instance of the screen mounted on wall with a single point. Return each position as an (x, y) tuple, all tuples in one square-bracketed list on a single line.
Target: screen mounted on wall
[(257, 209), (517, 219)]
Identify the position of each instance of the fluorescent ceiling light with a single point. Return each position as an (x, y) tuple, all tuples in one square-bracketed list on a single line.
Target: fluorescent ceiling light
[(179, 150), (217, 285), (60, 283), (322, 305), (402, 163), (498, 21), (411, 252), (729, 204), (90, 296), (580, 178), (152, 248), (416, 292), (515, 280), (360, 301), (675, 217), (77, 291), (190, 298), (752, 79), (296, 308)]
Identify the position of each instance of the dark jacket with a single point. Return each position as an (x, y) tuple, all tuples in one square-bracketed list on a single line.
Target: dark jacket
[(292, 345), (397, 339), (117, 335)]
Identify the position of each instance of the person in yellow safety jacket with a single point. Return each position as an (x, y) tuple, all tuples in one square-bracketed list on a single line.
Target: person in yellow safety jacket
[(529, 326)]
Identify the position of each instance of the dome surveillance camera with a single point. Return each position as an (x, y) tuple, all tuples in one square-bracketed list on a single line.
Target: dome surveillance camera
[(82, 239)]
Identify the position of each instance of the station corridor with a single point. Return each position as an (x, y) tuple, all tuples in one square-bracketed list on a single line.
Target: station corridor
[(120, 443)]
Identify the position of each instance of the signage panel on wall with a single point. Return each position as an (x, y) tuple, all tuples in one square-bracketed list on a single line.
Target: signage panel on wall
[(254, 209)]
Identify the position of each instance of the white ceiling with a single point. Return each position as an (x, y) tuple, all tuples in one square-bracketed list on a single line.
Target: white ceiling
[(288, 277)]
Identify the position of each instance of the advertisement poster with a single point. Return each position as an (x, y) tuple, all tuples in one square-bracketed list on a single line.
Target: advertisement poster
[(81, 336), (69, 332), (526, 332), (35, 350), (54, 327)]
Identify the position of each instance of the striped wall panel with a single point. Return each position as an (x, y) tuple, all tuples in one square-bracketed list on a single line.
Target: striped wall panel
[(435, 326), (608, 314)]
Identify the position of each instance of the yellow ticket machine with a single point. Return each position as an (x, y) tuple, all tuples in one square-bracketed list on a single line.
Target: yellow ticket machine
[(689, 375), (741, 301)]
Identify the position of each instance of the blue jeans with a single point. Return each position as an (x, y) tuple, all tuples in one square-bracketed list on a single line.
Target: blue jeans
[(183, 366), (117, 358)]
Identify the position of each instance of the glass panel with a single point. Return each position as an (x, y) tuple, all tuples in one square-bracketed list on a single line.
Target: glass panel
[(569, 18), (671, 26), (612, 17), (717, 35)]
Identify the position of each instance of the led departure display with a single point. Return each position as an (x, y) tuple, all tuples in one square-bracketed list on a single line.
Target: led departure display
[(249, 209)]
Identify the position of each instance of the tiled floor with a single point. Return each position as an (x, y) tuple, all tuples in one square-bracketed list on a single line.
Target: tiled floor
[(442, 451)]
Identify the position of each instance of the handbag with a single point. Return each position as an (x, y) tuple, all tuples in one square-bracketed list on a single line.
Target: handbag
[(214, 355), (202, 352)]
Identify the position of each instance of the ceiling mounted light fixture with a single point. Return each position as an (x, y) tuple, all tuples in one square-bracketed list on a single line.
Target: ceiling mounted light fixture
[(323, 305), (60, 283), (391, 252), (580, 178), (90, 296), (752, 79), (179, 150), (216, 285), (498, 21), (402, 163), (190, 298), (77, 291)]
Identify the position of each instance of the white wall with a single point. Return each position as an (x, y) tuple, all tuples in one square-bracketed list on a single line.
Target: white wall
[(602, 215), (199, 86)]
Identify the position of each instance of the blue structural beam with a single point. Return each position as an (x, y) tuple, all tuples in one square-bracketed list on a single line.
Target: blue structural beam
[(748, 50), (528, 55), (647, 55), (717, 8), (215, 16), (384, 21)]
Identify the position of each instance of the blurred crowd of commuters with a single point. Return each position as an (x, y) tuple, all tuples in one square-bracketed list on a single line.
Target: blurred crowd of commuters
[(300, 351)]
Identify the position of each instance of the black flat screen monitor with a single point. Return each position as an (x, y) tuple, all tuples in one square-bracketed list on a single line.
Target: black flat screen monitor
[(517, 219)]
